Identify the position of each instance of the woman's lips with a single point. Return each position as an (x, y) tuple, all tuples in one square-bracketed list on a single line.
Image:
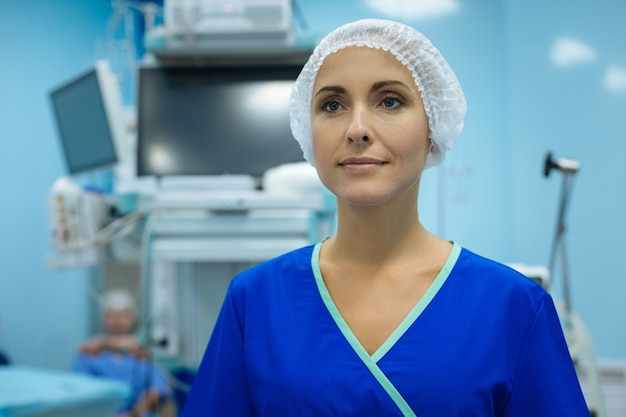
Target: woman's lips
[(361, 164)]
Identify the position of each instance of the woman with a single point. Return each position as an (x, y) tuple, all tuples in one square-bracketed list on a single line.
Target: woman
[(384, 318)]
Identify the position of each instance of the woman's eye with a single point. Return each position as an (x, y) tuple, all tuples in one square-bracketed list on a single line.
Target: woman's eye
[(331, 106), (390, 102)]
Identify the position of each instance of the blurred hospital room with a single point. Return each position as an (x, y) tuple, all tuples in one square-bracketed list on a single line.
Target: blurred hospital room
[(148, 155)]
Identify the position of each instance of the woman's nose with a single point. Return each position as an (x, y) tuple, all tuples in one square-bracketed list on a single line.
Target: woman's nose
[(358, 130)]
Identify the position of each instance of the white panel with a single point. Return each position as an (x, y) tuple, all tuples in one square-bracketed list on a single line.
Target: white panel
[(613, 387)]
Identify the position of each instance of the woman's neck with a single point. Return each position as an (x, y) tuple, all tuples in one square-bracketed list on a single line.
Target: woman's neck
[(376, 235)]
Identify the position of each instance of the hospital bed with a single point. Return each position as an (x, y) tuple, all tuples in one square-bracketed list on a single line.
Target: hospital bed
[(33, 392)]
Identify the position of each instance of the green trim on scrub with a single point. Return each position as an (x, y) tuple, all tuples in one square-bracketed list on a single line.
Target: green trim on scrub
[(371, 361)]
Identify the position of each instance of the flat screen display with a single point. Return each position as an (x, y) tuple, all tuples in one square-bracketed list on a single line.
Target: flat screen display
[(215, 120), (83, 124)]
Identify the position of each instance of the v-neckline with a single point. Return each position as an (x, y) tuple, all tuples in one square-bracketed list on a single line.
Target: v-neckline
[(404, 325)]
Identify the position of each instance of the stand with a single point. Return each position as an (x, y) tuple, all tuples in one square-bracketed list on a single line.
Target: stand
[(558, 245), (574, 329)]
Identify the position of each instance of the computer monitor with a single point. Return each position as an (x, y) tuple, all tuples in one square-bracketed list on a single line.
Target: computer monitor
[(213, 120), (90, 119)]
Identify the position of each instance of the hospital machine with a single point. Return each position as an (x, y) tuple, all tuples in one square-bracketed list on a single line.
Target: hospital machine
[(90, 121), (576, 333), (238, 27), (233, 189)]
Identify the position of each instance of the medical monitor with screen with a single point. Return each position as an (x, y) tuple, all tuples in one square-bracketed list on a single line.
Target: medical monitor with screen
[(215, 120), (89, 115)]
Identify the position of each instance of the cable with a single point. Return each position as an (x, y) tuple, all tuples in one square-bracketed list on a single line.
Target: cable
[(93, 292), (144, 277), (177, 383), (117, 229), (299, 16)]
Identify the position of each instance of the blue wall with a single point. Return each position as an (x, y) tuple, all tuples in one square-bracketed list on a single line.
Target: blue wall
[(43, 43), (490, 195), (570, 111)]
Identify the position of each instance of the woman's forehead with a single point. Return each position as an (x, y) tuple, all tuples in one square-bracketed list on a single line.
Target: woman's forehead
[(361, 63)]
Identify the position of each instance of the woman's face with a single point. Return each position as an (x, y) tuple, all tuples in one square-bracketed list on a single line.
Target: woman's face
[(370, 130)]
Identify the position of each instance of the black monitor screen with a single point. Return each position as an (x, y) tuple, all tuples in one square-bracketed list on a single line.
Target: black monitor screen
[(83, 124), (214, 120)]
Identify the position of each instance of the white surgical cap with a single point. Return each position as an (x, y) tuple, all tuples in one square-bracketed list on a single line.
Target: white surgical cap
[(442, 95), (118, 299)]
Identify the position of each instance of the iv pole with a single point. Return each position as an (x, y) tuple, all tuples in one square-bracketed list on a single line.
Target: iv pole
[(576, 334), (568, 168)]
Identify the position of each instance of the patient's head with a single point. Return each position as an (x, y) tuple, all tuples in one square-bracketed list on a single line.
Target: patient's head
[(118, 312)]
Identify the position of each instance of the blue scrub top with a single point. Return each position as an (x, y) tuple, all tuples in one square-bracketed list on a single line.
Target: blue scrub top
[(483, 341)]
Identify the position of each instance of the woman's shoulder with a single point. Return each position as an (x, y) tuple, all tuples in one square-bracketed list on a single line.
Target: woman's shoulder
[(486, 272), (289, 264), (494, 290)]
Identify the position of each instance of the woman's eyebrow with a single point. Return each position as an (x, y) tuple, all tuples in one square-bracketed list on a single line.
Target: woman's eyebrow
[(386, 83), (332, 88), (376, 86)]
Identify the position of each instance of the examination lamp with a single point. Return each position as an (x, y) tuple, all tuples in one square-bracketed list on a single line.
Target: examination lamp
[(569, 168), (566, 166)]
